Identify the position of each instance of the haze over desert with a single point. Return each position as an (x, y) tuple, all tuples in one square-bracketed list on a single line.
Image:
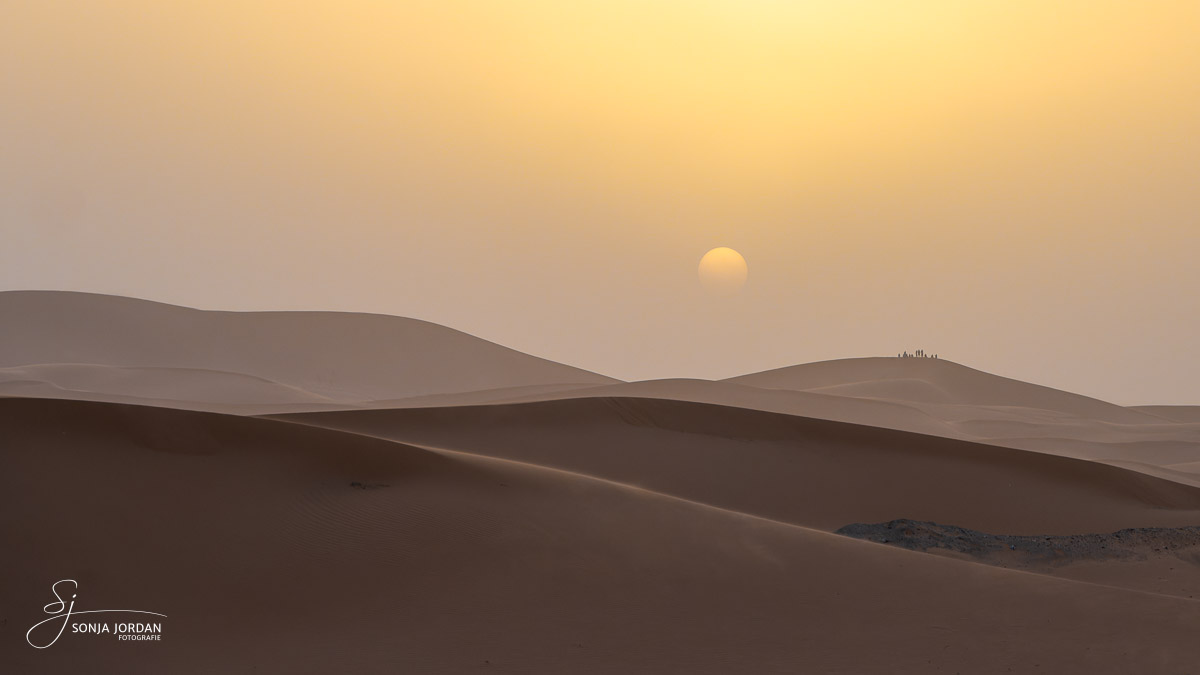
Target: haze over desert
[(599, 337)]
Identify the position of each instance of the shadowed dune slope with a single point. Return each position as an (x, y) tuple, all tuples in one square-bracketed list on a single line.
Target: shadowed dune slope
[(807, 471), (1153, 446), (873, 412), (331, 355), (247, 534)]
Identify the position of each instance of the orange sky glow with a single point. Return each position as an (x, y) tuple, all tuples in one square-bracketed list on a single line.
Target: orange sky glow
[(1010, 184)]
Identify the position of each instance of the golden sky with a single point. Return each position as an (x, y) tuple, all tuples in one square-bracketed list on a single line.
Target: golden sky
[(1012, 184)]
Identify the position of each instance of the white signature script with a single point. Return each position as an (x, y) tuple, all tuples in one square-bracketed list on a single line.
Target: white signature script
[(60, 610)]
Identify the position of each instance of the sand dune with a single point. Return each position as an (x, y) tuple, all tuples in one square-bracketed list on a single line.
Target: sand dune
[(249, 535), (420, 500), (214, 391), (882, 413), (1175, 413), (175, 387), (81, 346), (331, 355), (1156, 453), (1148, 440), (804, 471), (934, 381)]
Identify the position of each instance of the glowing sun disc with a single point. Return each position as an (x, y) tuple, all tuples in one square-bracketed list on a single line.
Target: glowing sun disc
[(722, 271)]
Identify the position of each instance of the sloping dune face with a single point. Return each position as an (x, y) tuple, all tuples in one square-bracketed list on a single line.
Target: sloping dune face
[(167, 385), (804, 471), (313, 358), (1176, 413), (278, 547), (973, 405), (933, 381), (938, 398)]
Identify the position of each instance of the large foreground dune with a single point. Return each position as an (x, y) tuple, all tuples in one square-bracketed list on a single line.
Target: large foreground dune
[(277, 547)]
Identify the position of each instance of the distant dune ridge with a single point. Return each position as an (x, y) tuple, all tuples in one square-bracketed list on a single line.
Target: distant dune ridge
[(332, 356), (325, 492)]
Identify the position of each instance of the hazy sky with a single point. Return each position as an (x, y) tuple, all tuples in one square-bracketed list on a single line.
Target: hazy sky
[(1015, 185)]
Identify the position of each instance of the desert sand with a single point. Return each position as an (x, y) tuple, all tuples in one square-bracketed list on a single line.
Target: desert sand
[(340, 356), (316, 492)]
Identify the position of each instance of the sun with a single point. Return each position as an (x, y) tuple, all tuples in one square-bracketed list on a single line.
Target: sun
[(723, 271)]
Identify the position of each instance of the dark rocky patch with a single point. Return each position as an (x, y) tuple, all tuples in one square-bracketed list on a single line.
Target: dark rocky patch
[(1132, 544)]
